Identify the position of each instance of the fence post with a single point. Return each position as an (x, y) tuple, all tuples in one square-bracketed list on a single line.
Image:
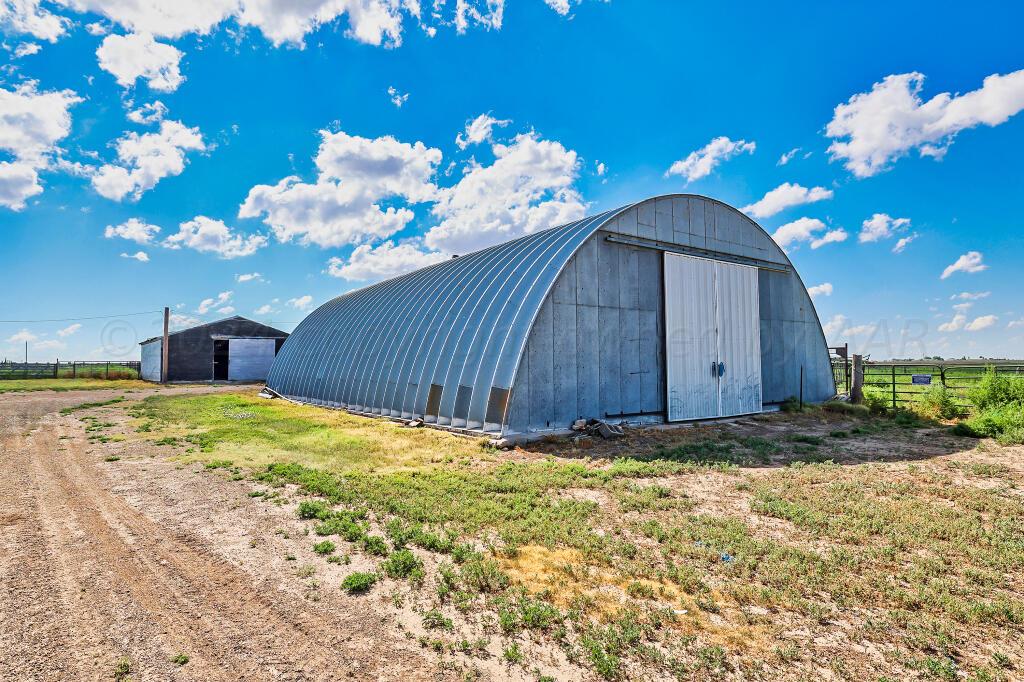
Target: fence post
[(846, 365), (107, 373), (857, 389), (942, 376), (894, 388), (56, 368), (74, 369)]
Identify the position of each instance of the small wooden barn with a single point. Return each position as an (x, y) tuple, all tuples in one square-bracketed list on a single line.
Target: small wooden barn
[(232, 349)]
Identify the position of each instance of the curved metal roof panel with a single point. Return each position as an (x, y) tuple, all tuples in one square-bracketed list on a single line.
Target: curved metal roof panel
[(444, 342), (441, 343)]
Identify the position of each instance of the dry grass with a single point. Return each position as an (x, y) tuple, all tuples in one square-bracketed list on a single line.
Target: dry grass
[(785, 546), (250, 431), (19, 385)]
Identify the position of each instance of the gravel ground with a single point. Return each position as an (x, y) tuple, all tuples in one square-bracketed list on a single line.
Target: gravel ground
[(97, 572)]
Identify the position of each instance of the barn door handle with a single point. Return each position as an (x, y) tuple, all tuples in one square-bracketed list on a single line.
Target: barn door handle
[(721, 369)]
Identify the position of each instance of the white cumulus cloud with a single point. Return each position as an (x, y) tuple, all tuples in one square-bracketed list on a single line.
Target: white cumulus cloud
[(140, 256), (343, 206), (860, 330), (28, 17), (396, 97), (249, 277), (18, 183), (69, 330), (146, 159), (807, 230), (26, 50), (874, 129), (208, 304), (528, 187), (50, 344), (830, 237), (478, 130), (903, 242), (159, 17), (787, 156), (881, 226), (701, 162), (955, 324), (22, 336), (834, 326), (369, 264), (968, 262), (824, 289), (207, 235), (151, 112), (32, 122), (132, 229), (970, 296), (179, 321), (137, 55), (983, 322), (785, 196), (301, 302)]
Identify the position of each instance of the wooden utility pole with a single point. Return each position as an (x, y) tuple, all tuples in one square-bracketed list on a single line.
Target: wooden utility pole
[(857, 389), (163, 347)]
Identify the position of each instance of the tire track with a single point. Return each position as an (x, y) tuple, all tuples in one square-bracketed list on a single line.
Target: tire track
[(86, 579)]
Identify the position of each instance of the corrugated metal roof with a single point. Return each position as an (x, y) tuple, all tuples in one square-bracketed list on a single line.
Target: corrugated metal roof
[(459, 326), (444, 342)]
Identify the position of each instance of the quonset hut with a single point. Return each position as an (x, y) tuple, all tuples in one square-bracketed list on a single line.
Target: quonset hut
[(675, 308)]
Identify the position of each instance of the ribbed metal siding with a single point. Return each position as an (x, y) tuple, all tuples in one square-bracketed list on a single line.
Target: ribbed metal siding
[(460, 324), (250, 359), (152, 357)]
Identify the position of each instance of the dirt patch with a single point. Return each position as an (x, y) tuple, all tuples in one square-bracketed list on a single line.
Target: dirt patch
[(97, 571)]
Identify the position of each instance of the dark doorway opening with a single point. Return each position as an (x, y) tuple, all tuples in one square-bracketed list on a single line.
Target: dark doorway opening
[(220, 360)]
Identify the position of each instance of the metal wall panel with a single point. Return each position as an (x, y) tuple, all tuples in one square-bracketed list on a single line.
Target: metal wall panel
[(152, 358), (250, 359)]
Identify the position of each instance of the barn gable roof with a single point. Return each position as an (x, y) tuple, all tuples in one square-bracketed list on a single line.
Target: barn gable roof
[(272, 330)]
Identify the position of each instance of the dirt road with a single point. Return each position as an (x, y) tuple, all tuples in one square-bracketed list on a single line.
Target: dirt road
[(91, 581)]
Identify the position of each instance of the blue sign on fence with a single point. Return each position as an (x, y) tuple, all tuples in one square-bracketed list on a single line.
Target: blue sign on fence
[(922, 379)]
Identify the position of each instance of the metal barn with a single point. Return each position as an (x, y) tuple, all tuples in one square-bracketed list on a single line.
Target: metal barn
[(674, 308), (233, 349)]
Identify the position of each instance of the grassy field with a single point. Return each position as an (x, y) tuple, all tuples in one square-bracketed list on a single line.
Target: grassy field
[(17, 385), (255, 433), (893, 544)]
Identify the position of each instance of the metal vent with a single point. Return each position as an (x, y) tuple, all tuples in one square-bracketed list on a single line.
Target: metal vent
[(434, 400), (497, 401)]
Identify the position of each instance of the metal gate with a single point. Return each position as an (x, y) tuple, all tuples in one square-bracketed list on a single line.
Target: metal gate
[(712, 338)]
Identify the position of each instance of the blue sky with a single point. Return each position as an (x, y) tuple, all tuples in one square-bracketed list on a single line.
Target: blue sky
[(326, 149)]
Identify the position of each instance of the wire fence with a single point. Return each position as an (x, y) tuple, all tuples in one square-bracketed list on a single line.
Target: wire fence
[(75, 369), (901, 384)]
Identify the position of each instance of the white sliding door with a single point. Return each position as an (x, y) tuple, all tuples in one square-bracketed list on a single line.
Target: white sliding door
[(712, 338), (739, 339), (691, 340)]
